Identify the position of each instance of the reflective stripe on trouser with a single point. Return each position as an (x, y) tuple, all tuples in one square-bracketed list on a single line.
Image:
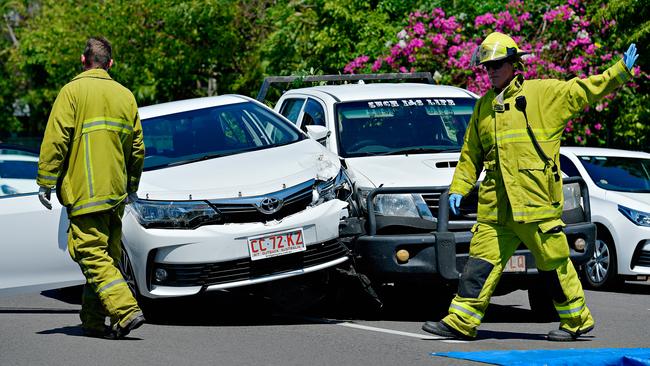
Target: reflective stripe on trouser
[(573, 312), (94, 243), (491, 247)]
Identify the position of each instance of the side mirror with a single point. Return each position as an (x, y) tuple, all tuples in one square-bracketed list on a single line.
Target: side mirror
[(318, 133)]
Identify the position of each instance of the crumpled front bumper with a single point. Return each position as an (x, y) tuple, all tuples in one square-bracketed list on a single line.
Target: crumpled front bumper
[(197, 254)]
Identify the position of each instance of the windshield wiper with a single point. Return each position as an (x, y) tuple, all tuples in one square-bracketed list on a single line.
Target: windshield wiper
[(194, 160), (417, 150)]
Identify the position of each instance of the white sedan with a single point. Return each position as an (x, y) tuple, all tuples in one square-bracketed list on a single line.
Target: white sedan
[(619, 191), (232, 195)]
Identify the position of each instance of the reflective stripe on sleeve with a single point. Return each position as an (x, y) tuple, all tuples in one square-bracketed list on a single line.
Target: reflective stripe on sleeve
[(47, 178)]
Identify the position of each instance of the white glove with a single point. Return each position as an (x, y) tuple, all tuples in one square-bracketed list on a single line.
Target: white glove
[(44, 196)]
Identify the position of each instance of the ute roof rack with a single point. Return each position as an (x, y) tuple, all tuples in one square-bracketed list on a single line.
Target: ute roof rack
[(268, 81)]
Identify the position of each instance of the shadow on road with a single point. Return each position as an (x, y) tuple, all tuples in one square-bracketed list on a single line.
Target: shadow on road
[(345, 301)]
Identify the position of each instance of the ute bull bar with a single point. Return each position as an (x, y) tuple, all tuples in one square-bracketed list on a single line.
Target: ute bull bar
[(436, 250)]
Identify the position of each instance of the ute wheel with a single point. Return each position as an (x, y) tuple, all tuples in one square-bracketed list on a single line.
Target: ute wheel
[(600, 272)]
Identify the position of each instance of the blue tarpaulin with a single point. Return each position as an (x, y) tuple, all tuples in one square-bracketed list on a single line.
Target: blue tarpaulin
[(565, 357)]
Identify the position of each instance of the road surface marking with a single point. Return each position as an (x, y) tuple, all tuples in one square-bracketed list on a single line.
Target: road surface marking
[(374, 329), (398, 332)]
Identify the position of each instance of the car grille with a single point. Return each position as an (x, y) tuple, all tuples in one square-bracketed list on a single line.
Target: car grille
[(468, 208), (206, 274), (295, 199)]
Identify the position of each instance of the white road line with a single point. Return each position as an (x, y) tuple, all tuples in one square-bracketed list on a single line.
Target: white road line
[(375, 329), (398, 332)]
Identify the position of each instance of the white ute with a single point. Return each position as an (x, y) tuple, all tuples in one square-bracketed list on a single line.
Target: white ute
[(400, 143)]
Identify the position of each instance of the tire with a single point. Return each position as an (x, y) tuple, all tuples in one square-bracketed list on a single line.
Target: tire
[(541, 302), (124, 265), (601, 271)]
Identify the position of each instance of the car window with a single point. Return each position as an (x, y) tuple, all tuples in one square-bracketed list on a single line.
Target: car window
[(567, 166), (291, 108), (213, 132), (313, 115), (618, 173), (388, 126), (16, 169), (18, 174)]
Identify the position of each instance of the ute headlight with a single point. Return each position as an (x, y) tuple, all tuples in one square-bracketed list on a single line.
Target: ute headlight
[(339, 187), (404, 205), (174, 214), (572, 196), (637, 217)]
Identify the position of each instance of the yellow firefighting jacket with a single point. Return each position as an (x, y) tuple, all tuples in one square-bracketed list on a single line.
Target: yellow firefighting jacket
[(92, 149), (498, 141)]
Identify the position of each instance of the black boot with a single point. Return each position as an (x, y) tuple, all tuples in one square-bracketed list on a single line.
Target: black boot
[(563, 335), (443, 330)]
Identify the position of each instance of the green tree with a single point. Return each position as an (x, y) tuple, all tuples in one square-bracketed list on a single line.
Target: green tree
[(324, 34), (163, 51)]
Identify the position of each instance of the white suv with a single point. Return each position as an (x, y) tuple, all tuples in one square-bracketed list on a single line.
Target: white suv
[(619, 189), (400, 143)]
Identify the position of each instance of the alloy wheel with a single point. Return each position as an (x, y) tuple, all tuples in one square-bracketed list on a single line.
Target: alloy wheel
[(598, 266)]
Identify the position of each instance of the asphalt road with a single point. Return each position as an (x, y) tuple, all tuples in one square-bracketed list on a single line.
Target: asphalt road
[(227, 329)]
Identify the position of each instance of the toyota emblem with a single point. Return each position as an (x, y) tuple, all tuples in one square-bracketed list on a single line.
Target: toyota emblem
[(269, 205)]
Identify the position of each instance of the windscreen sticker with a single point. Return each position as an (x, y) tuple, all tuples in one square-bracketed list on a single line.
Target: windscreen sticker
[(410, 103)]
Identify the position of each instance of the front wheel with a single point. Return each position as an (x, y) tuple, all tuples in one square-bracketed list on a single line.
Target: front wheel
[(600, 272), (147, 305)]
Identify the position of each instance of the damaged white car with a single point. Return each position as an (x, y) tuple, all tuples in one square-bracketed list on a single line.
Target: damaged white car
[(232, 195)]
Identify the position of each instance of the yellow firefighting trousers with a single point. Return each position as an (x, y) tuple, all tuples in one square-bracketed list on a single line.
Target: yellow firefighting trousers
[(490, 249), (94, 243)]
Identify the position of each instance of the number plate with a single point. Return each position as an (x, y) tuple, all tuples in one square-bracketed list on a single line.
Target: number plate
[(516, 263), (273, 245)]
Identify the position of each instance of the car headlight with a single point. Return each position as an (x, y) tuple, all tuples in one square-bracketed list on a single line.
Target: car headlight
[(572, 196), (339, 187), (404, 205), (637, 217), (173, 214)]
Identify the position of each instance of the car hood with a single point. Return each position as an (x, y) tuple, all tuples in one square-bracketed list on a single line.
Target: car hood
[(416, 170), (638, 201), (241, 175)]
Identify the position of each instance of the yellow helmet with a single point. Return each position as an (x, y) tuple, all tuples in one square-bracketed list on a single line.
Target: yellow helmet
[(496, 46)]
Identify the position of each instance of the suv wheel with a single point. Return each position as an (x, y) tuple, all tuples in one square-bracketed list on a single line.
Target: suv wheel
[(600, 272)]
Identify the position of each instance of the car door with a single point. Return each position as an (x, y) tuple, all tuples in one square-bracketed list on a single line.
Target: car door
[(33, 239)]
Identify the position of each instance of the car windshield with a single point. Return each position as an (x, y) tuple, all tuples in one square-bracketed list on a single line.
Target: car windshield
[(618, 173), (402, 126), (213, 132)]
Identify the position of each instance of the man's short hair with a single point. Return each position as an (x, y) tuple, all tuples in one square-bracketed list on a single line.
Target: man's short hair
[(97, 53)]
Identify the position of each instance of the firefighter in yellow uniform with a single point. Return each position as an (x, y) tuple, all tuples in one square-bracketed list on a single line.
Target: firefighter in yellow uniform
[(93, 153), (514, 134)]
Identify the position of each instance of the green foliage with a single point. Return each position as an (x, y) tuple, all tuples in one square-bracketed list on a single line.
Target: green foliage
[(325, 34), (167, 50), (563, 40)]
